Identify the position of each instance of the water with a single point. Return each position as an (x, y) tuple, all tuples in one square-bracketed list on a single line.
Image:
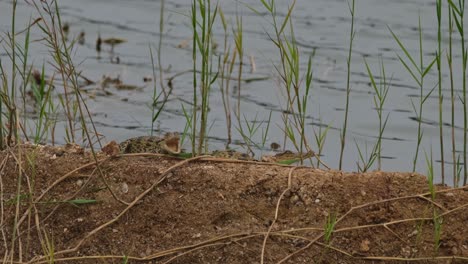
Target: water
[(323, 25)]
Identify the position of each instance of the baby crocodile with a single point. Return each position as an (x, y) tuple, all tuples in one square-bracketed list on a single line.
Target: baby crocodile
[(288, 157), (285, 157), (169, 144), (231, 154)]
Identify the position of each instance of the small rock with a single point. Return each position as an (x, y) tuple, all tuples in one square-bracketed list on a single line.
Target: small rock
[(454, 251), (415, 232), (124, 188), (148, 251), (53, 157), (294, 199), (317, 200), (405, 251), (364, 247), (79, 183)]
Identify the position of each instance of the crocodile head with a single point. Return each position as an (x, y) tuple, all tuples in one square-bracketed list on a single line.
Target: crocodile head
[(171, 143)]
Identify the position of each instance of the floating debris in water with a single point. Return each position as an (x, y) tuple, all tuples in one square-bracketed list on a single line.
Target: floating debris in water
[(113, 42), (107, 80), (253, 67), (184, 43), (98, 43), (127, 87), (81, 38), (37, 76), (66, 28), (115, 60)]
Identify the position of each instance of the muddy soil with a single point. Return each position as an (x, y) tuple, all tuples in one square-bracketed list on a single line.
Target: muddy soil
[(153, 209)]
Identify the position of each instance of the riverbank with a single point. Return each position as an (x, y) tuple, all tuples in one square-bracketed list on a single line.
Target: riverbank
[(160, 209)]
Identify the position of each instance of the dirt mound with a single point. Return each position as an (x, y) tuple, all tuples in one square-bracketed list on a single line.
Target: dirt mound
[(152, 209)]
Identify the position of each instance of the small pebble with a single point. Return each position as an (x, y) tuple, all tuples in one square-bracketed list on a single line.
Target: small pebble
[(124, 188), (79, 183)]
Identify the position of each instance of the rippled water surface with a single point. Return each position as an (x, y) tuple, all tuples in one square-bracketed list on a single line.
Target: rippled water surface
[(323, 25)]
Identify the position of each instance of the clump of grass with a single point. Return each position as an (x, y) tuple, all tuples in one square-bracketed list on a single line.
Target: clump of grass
[(430, 176), (48, 247), (8, 93), (366, 160), (320, 138), (297, 91), (203, 18), (251, 129), (46, 110), (438, 223), (436, 219), (329, 227), (381, 92)]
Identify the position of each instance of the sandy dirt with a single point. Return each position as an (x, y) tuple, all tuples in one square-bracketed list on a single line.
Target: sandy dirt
[(156, 209)]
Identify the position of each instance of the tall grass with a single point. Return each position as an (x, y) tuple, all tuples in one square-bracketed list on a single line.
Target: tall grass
[(352, 34), (292, 76), (439, 76), (418, 72), (156, 105), (45, 108), (452, 94), (16, 127), (226, 67), (239, 44), (381, 92), (458, 12), (9, 95), (203, 19)]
